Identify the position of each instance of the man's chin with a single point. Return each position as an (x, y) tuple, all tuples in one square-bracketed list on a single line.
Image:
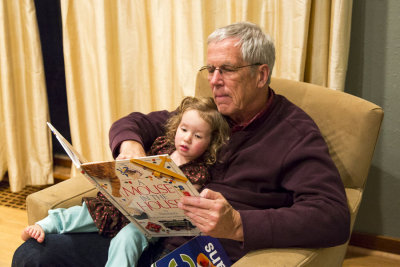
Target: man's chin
[(224, 112), (224, 109)]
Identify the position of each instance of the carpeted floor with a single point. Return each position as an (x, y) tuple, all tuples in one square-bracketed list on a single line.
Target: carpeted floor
[(16, 200)]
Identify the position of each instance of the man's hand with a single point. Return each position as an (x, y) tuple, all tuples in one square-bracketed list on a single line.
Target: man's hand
[(213, 215), (131, 149)]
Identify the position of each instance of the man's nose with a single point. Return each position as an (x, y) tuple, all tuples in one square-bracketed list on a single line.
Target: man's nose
[(215, 77)]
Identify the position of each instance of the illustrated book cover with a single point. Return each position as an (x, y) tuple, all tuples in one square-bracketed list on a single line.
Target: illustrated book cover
[(201, 251), (146, 190)]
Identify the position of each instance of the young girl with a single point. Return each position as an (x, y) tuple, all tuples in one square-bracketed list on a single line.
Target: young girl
[(193, 137)]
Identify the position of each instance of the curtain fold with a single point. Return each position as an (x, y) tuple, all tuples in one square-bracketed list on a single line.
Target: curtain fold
[(328, 43), (24, 138), (340, 43)]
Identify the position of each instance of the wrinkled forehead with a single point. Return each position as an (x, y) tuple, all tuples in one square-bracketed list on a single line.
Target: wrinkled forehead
[(224, 52)]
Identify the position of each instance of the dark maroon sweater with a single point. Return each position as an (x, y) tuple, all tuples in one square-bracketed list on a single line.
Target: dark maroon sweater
[(277, 172)]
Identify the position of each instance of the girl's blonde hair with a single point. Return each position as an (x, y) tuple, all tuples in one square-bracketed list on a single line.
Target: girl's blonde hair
[(208, 111)]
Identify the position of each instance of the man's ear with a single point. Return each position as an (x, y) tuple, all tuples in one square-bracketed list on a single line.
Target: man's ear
[(263, 75)]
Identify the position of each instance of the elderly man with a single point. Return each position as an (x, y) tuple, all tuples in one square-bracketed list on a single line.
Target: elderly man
[(274, 184)]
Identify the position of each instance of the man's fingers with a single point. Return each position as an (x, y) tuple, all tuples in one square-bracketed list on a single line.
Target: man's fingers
[(205, 224), (213, 215), (197, 202), (131, 149), (210, 194), (205, 201), (195, 206)]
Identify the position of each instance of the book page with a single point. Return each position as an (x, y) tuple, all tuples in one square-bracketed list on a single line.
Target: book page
[(71, 152), (144, 195)]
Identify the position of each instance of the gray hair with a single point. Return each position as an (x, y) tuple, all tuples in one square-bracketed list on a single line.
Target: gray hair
[(256, 46)]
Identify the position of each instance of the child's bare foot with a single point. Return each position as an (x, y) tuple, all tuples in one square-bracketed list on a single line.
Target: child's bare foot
[(33, 231)]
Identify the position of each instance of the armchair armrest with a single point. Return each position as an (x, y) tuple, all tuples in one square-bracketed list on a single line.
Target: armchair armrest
[(302, 257), (298, 257), (277, 257), (62, 195)]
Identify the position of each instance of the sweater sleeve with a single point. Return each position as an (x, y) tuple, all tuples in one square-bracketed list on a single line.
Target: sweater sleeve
[(319, 215), (138, 127)]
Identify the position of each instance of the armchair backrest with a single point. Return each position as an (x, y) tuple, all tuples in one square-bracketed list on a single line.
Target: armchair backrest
[(349, 124)]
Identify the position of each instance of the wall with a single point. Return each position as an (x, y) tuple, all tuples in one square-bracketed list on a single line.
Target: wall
[(374, 74)]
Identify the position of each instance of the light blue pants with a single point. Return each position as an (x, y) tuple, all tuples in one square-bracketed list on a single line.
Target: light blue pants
[(125, 248)]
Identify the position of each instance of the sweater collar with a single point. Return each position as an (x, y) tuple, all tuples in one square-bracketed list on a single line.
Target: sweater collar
[(242, 126)]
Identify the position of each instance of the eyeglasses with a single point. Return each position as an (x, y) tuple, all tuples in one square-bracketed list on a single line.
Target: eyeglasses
[(226, 69)]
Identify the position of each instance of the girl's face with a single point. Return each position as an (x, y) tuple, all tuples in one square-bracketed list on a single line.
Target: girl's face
[(192, 136)]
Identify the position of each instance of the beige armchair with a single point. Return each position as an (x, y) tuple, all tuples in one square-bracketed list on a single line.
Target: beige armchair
[(350, 126)]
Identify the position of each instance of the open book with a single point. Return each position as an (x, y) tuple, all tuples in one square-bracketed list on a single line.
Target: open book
[(146, 190)]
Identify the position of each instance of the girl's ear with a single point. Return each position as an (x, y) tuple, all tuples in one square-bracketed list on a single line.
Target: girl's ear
[(263, 73)]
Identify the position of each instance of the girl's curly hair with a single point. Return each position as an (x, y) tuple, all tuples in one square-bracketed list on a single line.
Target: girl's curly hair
[(208, 111)]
